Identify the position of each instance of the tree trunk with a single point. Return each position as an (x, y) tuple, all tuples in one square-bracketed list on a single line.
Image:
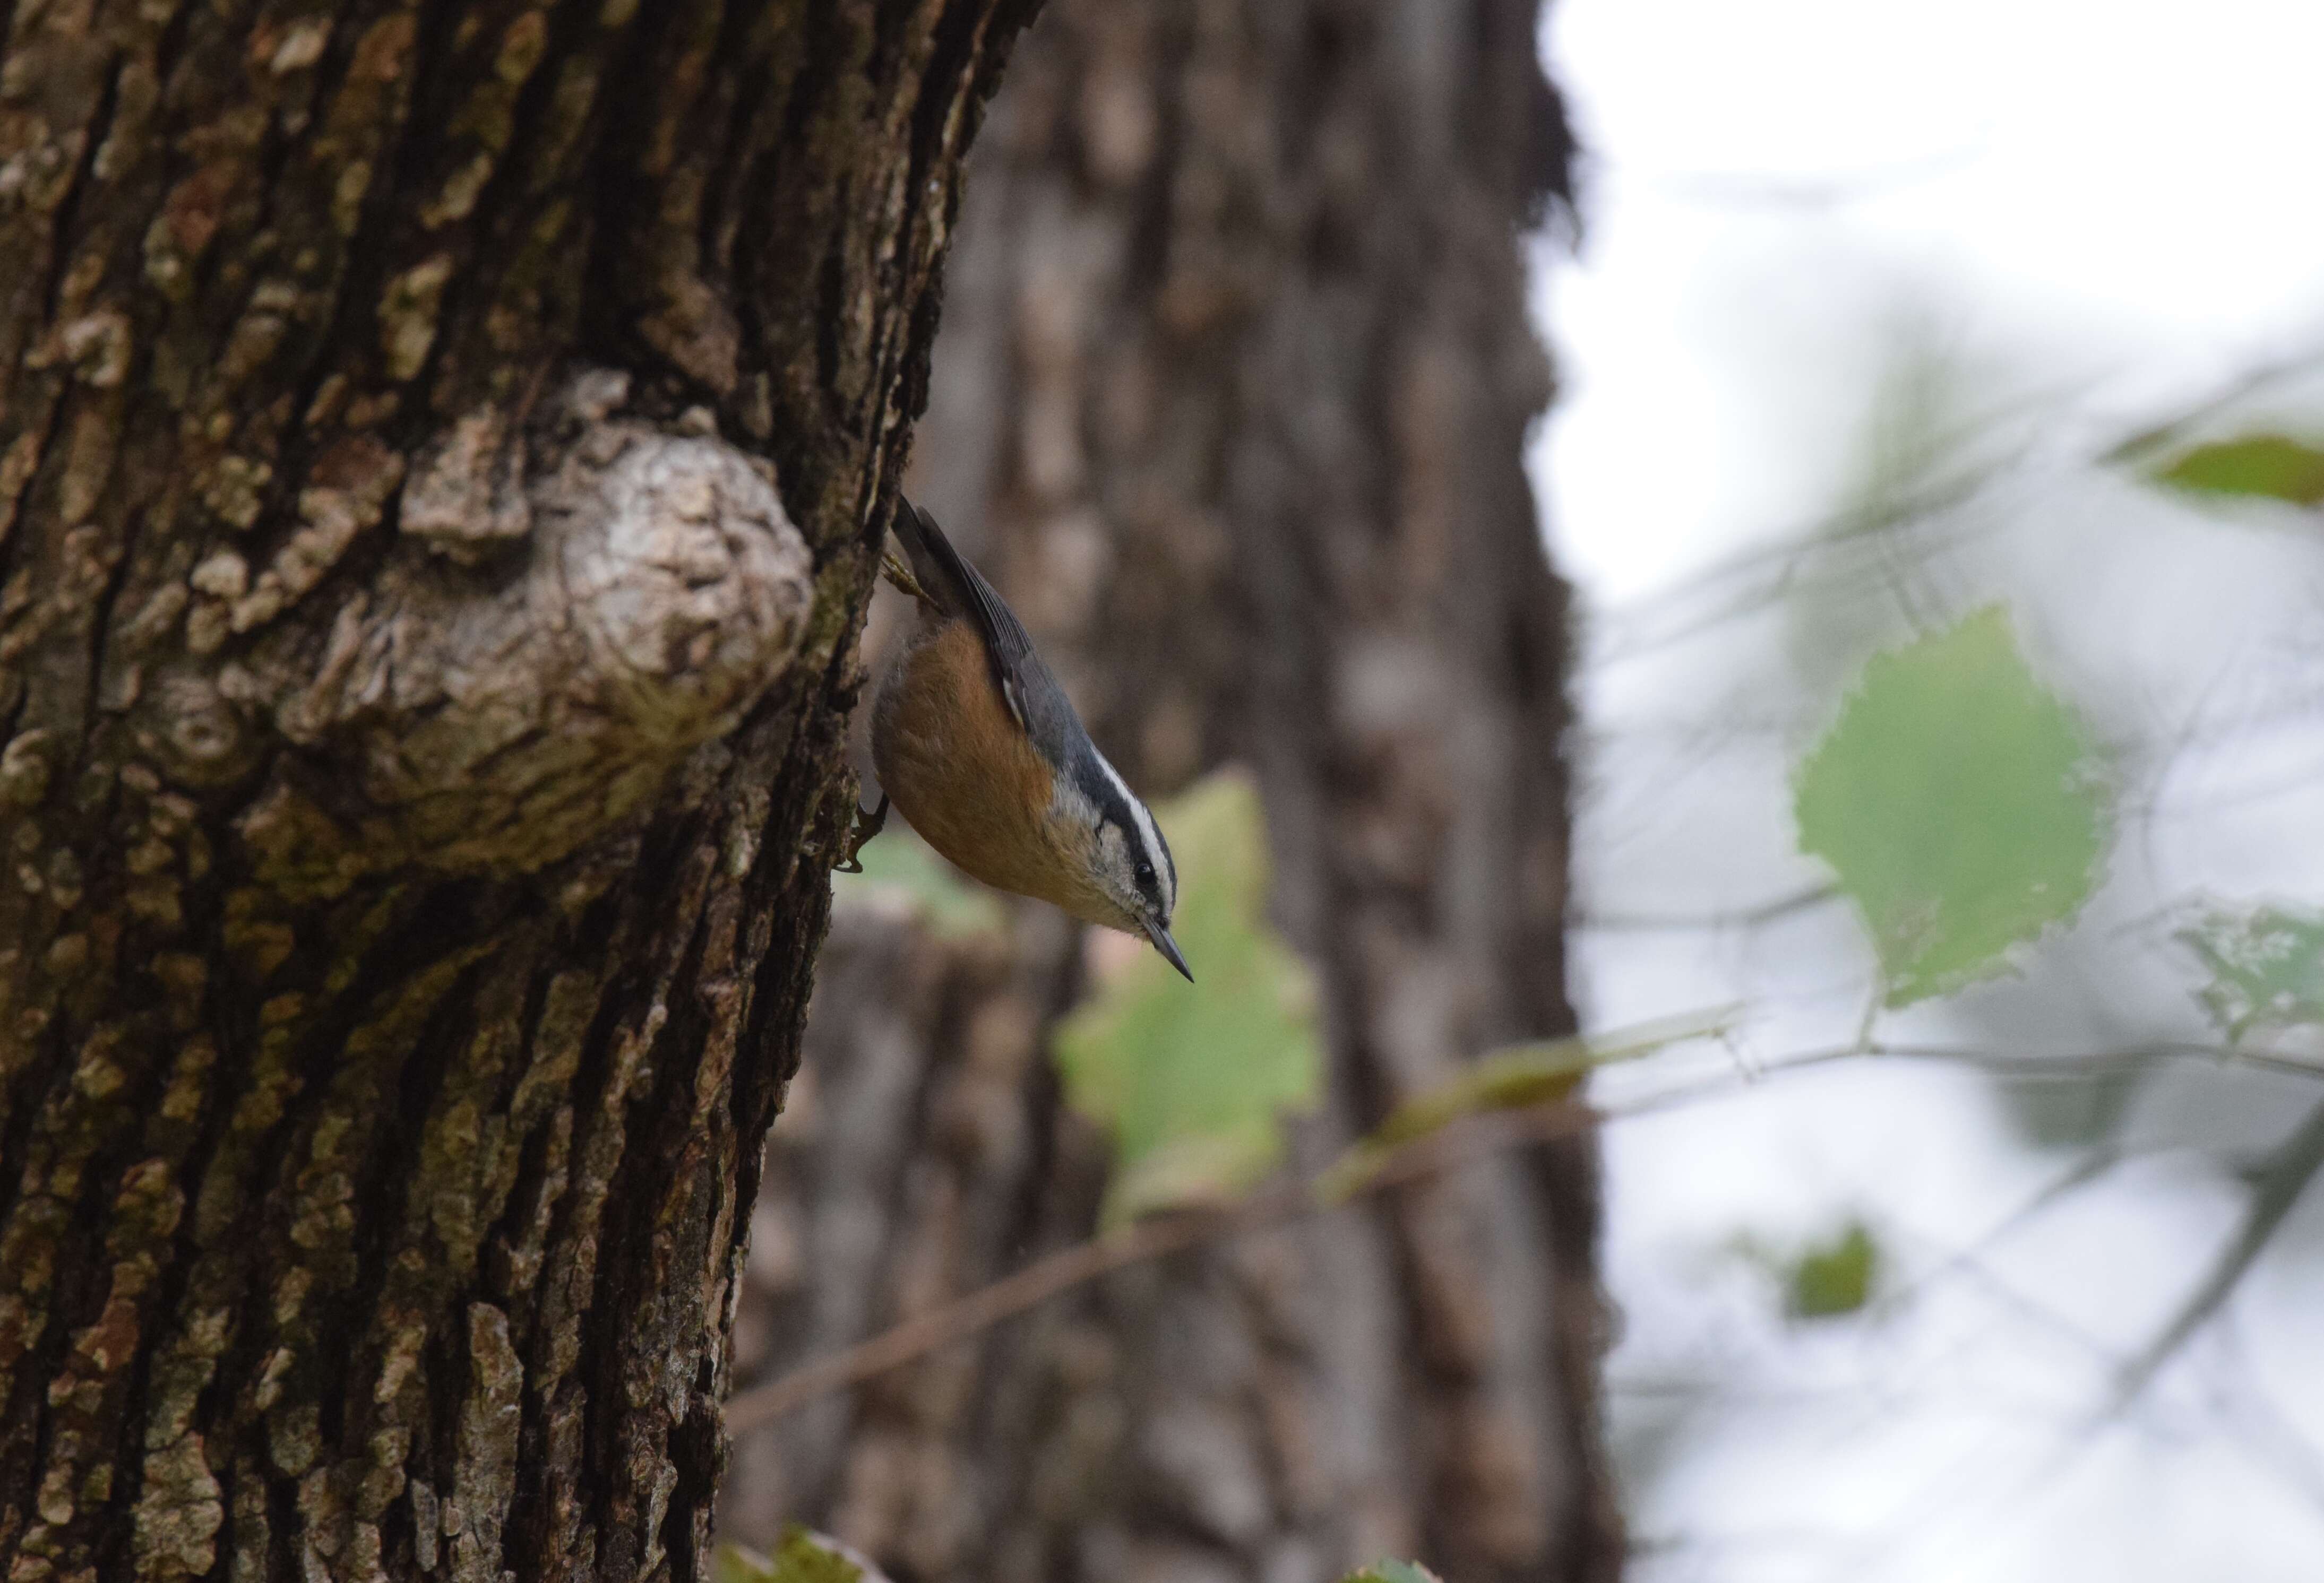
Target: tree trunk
[(1231, 400), (440, 452)]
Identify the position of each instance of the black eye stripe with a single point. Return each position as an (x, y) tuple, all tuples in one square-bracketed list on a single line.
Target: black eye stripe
[(1111, 807)]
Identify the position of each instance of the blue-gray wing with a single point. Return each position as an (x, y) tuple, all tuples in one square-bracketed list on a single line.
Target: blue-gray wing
[(963, 591)]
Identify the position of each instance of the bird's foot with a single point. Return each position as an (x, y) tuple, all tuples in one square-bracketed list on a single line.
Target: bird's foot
[(900, 574), (866, 826)]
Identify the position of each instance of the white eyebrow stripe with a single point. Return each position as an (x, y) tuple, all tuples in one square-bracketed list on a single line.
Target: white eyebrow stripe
[(1148, 836), (1165, 870)]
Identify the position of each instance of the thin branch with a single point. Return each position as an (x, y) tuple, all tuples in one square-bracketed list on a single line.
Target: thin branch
[(1750, 918), (2027, 1066), (1034, 1284), (2270, 1437), (2275, 1187), (1460, 1142), (1763, 575), (1463, 1142), (1757, 576), (2167, 431), (2096, 1164)]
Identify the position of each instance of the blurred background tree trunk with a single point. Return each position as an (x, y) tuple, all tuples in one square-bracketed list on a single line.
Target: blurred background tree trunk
[(442, 454), (1230, 400)]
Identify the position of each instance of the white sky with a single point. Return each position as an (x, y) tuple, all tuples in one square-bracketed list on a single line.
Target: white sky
[(2121, 202), (2133, 184)]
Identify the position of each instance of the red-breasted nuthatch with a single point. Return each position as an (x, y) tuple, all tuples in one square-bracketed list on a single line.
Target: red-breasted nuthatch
[(977, 743)]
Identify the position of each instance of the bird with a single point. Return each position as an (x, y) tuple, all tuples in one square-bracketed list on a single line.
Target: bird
[(979, 747)]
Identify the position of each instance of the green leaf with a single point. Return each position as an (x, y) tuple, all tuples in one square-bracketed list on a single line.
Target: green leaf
[(2270, 466), (801, 1558), (902, 872), (1191, 1080), (1958, 804), (1385, 1572), (1513, 1079), (1834, 1278), (735, 1563), (2267, 968)]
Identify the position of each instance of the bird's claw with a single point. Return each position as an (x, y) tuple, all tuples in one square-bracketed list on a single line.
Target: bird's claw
[(860, 834), (900, 576)]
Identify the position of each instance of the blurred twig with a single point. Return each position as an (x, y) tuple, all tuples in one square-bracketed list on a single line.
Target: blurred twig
[(2156, 436), (2065, 1067), (1758, 577), (1463, 1140), (1467, 1140), (1034, 1284), (1749, 918), (2080, 1174), (2275, 1186), (1763, 575), (1511, 1096)]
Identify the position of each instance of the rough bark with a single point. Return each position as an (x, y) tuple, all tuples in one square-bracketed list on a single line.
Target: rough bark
[(438, 449), (1231, 400)]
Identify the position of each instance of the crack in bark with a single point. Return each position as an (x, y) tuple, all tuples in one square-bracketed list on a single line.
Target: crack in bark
[(93, 133)]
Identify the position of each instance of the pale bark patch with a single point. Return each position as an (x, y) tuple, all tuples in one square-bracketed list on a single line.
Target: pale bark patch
[(495, 722)]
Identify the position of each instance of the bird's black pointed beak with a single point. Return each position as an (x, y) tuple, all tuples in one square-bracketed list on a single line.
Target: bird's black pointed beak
[(1168, 948)]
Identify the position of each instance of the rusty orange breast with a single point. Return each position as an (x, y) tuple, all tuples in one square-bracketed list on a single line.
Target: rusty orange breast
[(952, 759)]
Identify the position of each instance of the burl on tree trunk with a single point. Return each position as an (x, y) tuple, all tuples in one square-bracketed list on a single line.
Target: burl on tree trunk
[(441, 450)]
